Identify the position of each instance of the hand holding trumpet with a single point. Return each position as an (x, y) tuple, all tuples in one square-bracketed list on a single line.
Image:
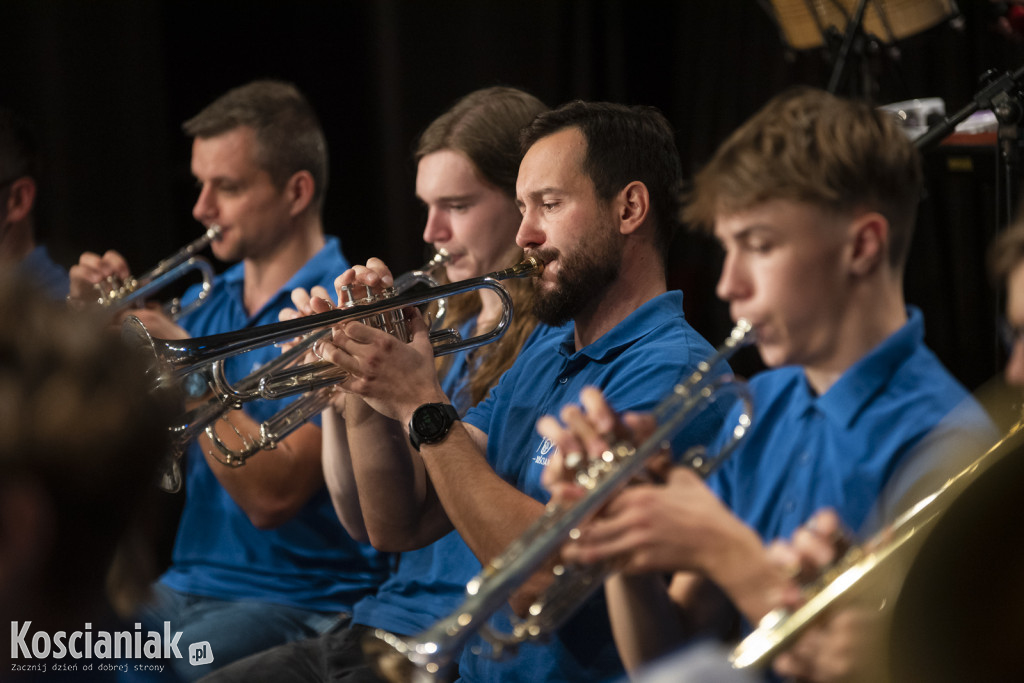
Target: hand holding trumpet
[(663, 524), (95, 276), (841, 644), (106, 281), (92, 270), (393, 377), (674, 523), (306, 303)]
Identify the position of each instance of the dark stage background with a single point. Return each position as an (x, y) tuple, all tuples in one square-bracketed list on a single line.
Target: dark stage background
[(108, 83)]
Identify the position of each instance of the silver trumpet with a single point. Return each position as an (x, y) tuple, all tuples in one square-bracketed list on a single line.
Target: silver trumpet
[(424, 656), (117, 295), (176, 358), (271, 431), (287, 376), (202, 418), (316, 381), (883, 557)]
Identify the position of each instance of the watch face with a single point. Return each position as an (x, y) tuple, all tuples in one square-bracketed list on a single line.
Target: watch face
[(429, 421)]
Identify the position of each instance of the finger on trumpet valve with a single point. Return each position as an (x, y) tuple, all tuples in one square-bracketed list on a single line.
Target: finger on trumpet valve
[(108, 289), (574, 461), (355, 294), (318, 349)]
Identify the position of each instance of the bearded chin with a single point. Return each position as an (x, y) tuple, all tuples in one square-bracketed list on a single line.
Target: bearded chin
[(555, 307), (579, 286)]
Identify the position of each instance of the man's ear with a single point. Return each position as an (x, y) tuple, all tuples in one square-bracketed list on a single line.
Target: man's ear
[(634, 206), (20, 199), (299, 190), (870, 242)]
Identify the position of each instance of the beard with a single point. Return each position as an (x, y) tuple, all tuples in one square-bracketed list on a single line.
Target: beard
[(583, 276)]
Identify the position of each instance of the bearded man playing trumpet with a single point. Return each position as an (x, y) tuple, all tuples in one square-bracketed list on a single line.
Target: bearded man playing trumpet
[(813, 200), (259, 558), (596, 189)]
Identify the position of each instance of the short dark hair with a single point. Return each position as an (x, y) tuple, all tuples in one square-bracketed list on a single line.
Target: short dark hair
[(288, 133), (624, 144), (809, 146)]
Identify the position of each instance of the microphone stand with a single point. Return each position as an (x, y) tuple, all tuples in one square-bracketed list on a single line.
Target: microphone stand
[(1003, 96)]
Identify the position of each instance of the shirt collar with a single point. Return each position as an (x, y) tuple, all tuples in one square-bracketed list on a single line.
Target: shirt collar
[(310, 274), (866, 378), (641, 322)]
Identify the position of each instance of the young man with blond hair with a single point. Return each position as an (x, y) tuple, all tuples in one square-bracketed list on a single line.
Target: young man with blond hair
[(814, 200)]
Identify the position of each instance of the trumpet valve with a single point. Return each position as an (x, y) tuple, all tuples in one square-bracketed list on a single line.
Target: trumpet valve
[(112, 288), (349, 295)]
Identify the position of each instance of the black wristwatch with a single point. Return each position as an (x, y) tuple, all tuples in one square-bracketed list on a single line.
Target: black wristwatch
[(431, 422)]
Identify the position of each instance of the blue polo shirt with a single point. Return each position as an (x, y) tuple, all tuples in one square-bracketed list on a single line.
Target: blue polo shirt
[(839, 449), (636, 364), (45, 272), (308, 562), (430, 582)]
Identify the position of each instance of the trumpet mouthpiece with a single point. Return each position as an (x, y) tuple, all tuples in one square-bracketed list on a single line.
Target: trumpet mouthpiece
[(531, 265), (528, 267)]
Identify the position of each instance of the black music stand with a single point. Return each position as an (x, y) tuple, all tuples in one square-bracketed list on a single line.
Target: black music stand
[(854, 35)]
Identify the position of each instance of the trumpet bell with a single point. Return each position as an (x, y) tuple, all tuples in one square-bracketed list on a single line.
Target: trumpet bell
[(959, 615), (136, 336)]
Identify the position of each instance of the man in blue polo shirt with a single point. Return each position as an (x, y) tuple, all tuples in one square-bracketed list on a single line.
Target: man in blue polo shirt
[(843, 634), (597, 188), (260, 557), (813, 200)]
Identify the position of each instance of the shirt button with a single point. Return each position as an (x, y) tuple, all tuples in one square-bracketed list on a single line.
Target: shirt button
[(563, 380), (789, 506)]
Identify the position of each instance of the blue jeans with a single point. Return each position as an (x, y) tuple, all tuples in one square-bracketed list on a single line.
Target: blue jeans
[(233, 629)]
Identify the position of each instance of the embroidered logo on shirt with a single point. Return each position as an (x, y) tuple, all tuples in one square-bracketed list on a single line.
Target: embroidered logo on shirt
[(541, 457)]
